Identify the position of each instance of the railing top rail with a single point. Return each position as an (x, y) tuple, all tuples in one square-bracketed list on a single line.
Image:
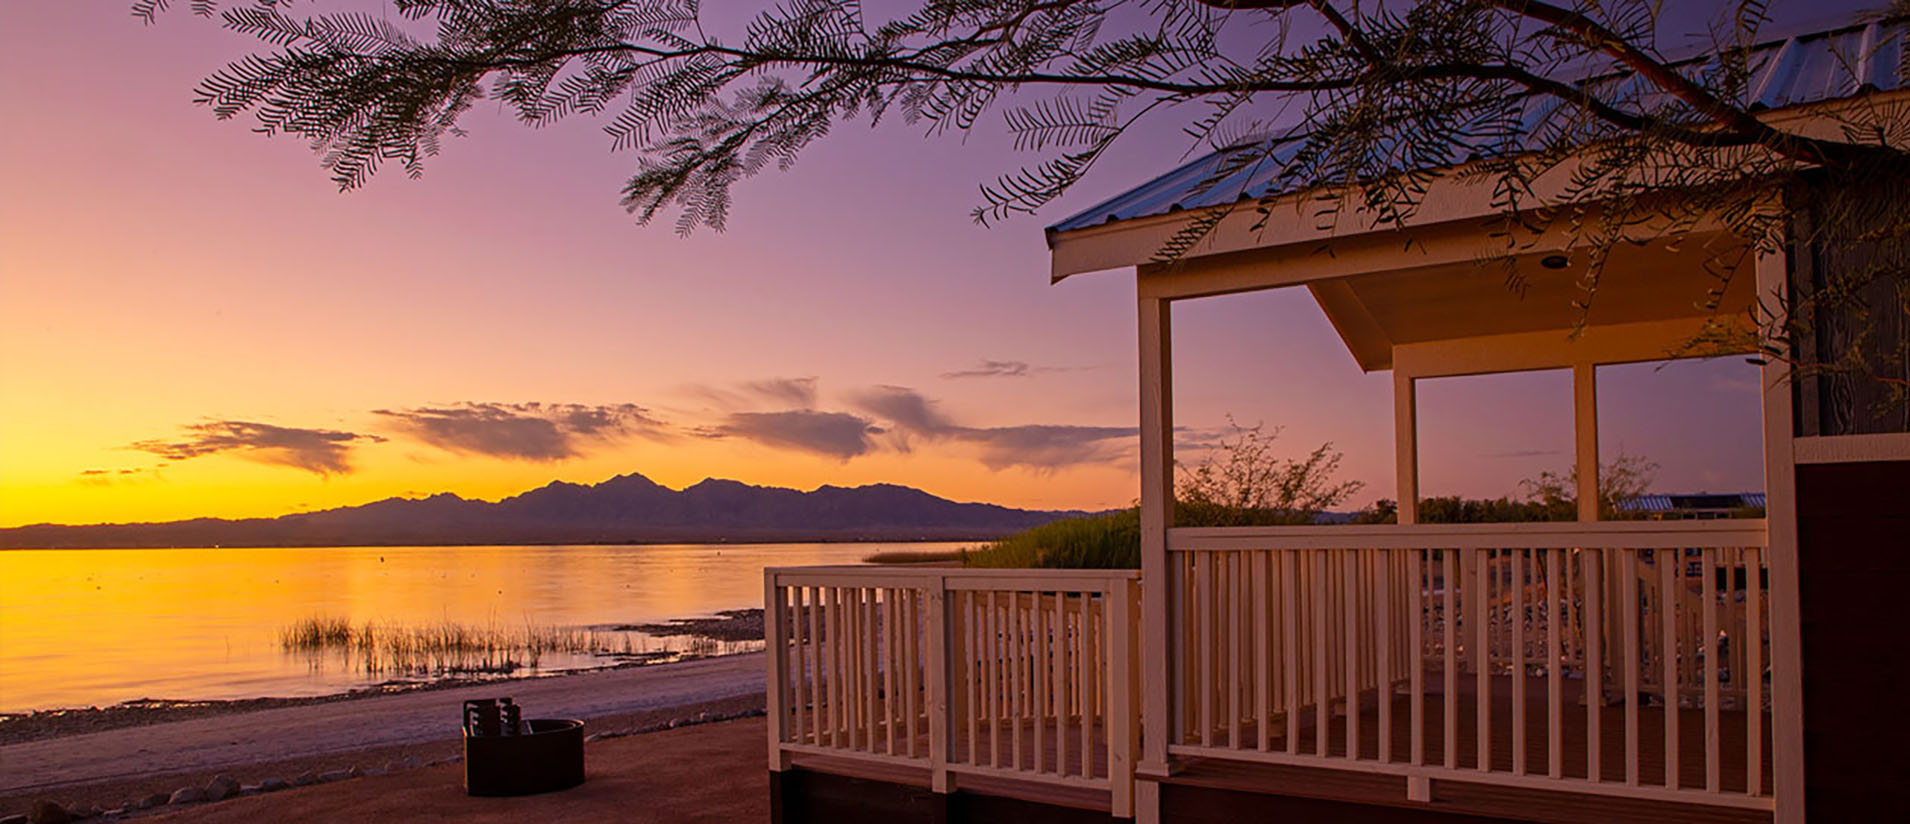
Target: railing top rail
[(952, 577), (1731, 532)]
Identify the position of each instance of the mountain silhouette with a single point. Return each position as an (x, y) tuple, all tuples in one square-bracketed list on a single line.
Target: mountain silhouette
[(624, 509)]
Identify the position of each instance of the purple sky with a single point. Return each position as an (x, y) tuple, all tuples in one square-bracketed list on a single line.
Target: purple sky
[(166, 275)]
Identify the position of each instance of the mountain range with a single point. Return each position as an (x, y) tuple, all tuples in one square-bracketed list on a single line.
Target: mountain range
[(625, 509)]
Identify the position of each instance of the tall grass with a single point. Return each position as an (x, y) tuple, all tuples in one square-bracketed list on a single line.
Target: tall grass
[(449, 648), (917, 557), (1111, 541)]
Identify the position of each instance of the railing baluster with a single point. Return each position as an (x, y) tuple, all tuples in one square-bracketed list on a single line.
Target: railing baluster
[(1628, 619), (1091, 663), (1669, 596), (833, 618), (1236, 629), (1554, 661), (1262, 650), (912, 651), (1322, 711), (1518, 584), (994, 679), (871, 679), (1416, 562), (800, 596), (971, 661), (1060, 688), (852, 664), (1020, 659), (1594, 673), (1039, 673), (1383, 650), (1290, 646), (1753, 671), (1203, 608), (1482, 659), (819, 664), (889, 666), (1449, 583), (1350, 658), (940, 687), (1713, 765)]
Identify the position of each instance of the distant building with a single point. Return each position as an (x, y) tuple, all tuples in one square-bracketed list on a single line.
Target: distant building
[(1693, 507)]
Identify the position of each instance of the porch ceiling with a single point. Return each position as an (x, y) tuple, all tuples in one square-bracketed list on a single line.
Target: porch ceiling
[(1653, 282)]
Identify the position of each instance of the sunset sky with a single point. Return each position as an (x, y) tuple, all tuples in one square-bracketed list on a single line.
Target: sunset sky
[(194, 322)]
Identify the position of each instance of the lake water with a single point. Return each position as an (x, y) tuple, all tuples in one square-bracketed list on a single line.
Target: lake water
[(101, 626)]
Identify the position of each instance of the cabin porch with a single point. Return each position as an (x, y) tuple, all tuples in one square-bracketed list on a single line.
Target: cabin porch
[(1468, 667)]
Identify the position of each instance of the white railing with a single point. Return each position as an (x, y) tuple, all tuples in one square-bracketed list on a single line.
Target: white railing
[(1464, 652), (1027, 675)]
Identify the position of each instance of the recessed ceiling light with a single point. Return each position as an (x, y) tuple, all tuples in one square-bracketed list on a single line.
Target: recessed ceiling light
[(1555, 261)]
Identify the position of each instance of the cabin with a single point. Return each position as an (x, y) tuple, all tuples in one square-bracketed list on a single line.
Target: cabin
[(1672, 507), (1709, 670)]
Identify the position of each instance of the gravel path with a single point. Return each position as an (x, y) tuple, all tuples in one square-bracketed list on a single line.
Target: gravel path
[(244, 738)]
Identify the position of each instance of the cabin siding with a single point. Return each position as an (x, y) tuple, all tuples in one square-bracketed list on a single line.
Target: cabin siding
[(1853, 532)]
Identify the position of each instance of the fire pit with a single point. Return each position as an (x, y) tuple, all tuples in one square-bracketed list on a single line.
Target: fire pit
[(505, 755)]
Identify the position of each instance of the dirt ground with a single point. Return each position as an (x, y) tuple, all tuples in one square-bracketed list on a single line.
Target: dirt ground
[(708, 772), (140, 779)]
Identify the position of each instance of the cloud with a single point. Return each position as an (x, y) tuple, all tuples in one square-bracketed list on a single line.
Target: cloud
[(523, 431), (796, 392), (907, 409), (1048, 446), (323, 452), (1005, 369), (788, 393), (116, 477), (835, 434), (993, 369), (1034, 446)]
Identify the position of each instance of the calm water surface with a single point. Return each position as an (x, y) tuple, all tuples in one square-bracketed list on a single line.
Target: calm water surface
[(100, 626)]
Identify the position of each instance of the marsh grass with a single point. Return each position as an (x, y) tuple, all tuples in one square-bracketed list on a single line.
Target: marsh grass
[(1111, 541), (917, 557), (450, 648)]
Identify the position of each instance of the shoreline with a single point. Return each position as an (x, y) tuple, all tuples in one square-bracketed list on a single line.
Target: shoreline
[(727, 626), (641, 542)]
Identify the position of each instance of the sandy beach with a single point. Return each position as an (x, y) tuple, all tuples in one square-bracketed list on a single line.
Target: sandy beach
[(111, 767)]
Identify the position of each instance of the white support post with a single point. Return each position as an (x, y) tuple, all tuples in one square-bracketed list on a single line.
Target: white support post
[(1406, 443), (1585, 424), (775, 613), (940, 729), (1780, 490), (1123, 729), (1157, 501)]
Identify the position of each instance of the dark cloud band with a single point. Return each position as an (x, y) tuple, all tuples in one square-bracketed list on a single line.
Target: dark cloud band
[(523, 431), (835, 434), (319, 451)]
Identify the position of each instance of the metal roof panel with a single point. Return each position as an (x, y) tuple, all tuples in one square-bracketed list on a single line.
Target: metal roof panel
[(1805, 68)]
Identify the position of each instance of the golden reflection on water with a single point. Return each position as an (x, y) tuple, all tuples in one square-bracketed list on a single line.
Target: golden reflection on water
[(96, 627)]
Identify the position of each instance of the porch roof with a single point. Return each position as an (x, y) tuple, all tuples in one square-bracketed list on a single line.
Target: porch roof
[(1813, 66)]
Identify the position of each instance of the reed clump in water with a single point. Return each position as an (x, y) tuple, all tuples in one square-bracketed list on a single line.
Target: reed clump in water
[(447, 647), (316, 633)]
